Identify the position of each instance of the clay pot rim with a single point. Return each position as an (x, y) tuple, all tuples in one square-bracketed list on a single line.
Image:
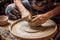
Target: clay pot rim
[(4, 18)]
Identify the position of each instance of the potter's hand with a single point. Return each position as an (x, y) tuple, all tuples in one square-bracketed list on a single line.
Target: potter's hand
[(40, 19), (26, 16)]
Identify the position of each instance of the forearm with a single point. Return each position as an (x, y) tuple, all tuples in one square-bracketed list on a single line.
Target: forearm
[(22, 9), (19, 5), (53, 12), (48, 15)]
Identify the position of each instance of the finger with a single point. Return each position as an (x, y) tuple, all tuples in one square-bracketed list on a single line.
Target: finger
[(16, 13), (12, 16)]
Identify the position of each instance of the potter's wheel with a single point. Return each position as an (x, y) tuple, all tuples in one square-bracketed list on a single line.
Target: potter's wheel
[(24, 31)]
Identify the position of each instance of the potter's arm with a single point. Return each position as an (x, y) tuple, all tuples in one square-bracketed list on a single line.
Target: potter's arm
[(22, 9), (44, 17)]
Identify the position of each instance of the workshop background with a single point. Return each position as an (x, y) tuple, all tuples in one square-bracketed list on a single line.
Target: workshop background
[(4, 3)]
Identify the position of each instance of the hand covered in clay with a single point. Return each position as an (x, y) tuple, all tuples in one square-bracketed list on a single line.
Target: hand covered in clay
[(39, 19)]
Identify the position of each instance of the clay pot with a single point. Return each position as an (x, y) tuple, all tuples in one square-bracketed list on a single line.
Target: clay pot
[(3, 20)]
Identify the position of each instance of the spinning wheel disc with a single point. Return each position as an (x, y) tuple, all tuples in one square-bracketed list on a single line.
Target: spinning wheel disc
[(24, 31)]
